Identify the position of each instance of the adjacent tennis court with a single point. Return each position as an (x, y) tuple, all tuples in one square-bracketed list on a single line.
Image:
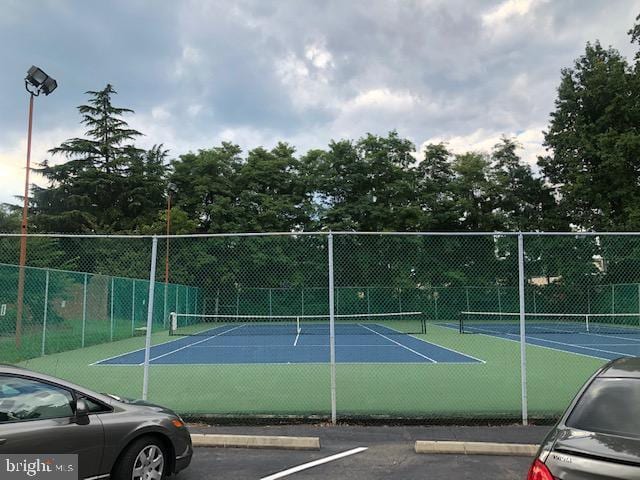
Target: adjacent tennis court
[(604, 336)]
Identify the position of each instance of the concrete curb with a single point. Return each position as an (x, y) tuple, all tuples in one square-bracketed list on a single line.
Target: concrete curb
[(255, 441), (476, 448)]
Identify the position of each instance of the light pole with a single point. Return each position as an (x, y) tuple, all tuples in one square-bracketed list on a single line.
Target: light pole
[(36, 82), (171, 189)]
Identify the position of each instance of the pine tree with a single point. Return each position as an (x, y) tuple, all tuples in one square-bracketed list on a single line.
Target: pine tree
[(94, 190)]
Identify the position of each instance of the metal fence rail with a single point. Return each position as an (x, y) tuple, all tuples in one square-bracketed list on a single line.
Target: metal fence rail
[(504, 316)]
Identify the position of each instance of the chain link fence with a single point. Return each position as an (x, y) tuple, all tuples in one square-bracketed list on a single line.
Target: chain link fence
[(317, 325)]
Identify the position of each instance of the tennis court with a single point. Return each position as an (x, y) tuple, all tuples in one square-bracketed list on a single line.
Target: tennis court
[(603, 336), (275, 341)]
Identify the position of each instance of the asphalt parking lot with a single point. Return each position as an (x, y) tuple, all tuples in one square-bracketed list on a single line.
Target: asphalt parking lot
[(389, 454)]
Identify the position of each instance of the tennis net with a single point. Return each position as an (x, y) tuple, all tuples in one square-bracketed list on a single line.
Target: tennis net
[(509, 323), (354, 324)]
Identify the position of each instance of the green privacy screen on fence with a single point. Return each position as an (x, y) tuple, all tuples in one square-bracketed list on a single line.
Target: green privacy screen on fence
[(66, 310), (260, 305)]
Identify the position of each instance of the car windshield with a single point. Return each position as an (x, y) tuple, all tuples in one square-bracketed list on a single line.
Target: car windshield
[(609, 405)]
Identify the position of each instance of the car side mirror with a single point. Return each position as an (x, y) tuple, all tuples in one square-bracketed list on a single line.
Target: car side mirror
[(82, 412)]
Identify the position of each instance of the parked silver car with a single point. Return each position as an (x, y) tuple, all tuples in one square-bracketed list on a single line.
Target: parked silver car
[(114, 438), (598, 437)]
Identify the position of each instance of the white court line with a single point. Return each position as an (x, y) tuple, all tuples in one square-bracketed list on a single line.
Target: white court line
[(532, 328), (98, 362), (433, 344), (610, 336), (315, 345), (399, 344), (553, 341), (295, 342), (305, 466), (581, 345), (500, 336), (324, 364), (588, 334), (191, 344)]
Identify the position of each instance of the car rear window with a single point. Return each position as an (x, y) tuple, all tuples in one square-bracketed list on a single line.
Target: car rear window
[(609, 405)]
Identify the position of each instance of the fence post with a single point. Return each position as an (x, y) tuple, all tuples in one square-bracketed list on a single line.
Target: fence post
[(332, 332), (133, 308), (111, 309), (147, 345), (466, 294), (435, 304), (164, 306), (84, 309), (613, 298), (464, 318), (523, 338), (46, 308)]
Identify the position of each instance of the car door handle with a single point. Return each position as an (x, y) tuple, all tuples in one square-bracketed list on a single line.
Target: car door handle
[(3, 441)]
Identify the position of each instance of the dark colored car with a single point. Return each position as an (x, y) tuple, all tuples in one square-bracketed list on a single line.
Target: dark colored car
[(113, 437), (598, 437)]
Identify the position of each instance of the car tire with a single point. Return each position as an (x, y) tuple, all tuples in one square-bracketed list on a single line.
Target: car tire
[(145, 459)]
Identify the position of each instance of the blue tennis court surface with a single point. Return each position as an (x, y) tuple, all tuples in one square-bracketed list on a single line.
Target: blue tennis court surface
[(274, 344), (607, 346)]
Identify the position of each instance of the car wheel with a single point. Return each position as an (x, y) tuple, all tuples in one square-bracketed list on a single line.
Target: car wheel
[(144, 459)]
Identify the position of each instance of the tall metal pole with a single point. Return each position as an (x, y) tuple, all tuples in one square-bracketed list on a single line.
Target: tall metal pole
[(133, 307), (166, 260), (84, 309), (44, 317), (23, 231), (332, 333), (111, 309), (166, 257), (523, 338), (147, 345)]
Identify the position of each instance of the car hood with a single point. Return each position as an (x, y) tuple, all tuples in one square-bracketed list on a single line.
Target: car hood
[(598, 445), (144, 404)]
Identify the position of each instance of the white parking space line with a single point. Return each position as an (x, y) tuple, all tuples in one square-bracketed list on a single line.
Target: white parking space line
[(315, 463)]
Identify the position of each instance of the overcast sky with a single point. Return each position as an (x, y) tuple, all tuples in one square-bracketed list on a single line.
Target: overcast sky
[(258, 71)]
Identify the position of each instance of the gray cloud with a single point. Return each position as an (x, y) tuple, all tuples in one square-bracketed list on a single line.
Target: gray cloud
[(255, 72)]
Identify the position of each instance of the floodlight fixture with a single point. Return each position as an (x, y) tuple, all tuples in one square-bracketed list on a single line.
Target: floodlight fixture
[(37, 82)]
